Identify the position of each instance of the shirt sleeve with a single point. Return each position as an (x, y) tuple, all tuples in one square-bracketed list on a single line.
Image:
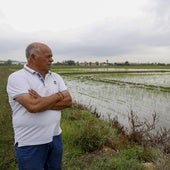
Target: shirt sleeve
[(17, 85)]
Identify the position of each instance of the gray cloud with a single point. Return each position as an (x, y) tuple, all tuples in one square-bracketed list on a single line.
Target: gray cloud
[(111, 38), (145, 35)]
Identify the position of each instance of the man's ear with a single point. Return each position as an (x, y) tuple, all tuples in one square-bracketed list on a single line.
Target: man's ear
[(33, 57)]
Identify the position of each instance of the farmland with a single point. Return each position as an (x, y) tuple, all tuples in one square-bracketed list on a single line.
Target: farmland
[(90, 143), (115, 92)]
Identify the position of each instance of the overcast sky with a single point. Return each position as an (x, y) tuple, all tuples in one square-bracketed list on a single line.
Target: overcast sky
[(87, 30)]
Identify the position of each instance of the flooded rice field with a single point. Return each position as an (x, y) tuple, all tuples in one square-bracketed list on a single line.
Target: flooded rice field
[(116, 95)]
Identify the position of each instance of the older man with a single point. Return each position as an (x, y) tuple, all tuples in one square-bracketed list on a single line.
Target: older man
[(37, 96)]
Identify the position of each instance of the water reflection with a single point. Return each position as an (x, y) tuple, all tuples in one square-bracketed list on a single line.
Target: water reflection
[(113, 100)]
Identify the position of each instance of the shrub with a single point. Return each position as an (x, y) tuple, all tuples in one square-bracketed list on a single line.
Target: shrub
[(93, 136), (144, 133)]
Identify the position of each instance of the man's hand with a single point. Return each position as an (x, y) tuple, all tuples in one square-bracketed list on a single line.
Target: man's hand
[(33, 94), (64, 103)]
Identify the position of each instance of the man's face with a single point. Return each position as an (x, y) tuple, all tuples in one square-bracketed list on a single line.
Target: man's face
[(44, 59)]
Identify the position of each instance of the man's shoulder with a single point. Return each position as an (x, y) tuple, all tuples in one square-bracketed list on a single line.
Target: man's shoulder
[(17, 73)]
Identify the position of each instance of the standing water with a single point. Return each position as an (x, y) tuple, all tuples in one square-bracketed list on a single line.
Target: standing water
[(113, 100)]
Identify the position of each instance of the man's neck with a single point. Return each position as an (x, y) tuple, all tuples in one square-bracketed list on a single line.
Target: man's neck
[(43, 73)]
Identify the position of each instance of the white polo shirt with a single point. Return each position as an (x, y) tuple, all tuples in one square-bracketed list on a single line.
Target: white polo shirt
[(34, 128)]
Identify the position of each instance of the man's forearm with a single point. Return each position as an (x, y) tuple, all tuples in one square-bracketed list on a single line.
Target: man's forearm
[(62, 104), (63, 100), (43, 103)]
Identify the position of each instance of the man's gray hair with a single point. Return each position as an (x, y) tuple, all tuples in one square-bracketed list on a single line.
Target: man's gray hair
[(32, 49)]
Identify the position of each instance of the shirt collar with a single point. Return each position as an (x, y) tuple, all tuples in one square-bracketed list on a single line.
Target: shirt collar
[(31, 70)]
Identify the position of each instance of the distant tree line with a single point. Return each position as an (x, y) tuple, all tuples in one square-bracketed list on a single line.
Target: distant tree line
[(85, 63), (97, 63)]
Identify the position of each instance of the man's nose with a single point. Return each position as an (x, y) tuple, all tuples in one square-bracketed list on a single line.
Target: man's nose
[(51, 59)]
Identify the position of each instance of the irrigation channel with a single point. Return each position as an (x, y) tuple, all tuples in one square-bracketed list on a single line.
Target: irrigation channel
[(115, 95)]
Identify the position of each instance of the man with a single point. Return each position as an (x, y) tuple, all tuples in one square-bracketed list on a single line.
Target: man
[(36, 96)]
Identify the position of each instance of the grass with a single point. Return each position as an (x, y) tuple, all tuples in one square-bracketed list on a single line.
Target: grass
[(89, 143), (7, 156), (92, 144)]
